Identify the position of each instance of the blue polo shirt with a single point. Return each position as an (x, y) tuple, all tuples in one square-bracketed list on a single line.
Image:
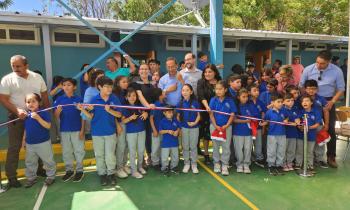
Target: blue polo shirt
[(265, 97), (319, 103), (226, 105), (83, 86), (292, 115), (70, 119), (168, 140), (262, 87), (233, 93), (201, 65), (35, 133), (134, 126), (103, 123), (188, 116), (260, 107), (242, 129), (172, 98), (312, 118), (157, 114), (274, 128)]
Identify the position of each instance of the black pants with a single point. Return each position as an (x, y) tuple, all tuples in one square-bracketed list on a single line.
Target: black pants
[(332, 144)]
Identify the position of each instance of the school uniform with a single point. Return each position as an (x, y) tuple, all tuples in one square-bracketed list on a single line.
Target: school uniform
[(70, 126), (122, 147), (103, 133), (291, 134), (189, 133), (157, 117), (318, 105), (262, 87), (38, 145), (226, 105), (265, 97), (232, 92), (170, 144), (276, 138), (260, 108), (135, 137)]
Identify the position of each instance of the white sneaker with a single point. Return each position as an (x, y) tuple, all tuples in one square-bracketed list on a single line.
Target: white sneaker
[(194, 169), (247, 170), (217, 168), (121, 173), (186, 168), (240, 169), (137, 175), (224, 171), (142, 171), (127, 169)]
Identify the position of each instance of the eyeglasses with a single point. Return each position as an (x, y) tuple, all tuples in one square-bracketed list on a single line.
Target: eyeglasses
[(320, 77)]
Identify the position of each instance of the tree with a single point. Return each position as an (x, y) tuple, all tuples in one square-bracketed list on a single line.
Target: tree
[(5, 4), (92, 8)]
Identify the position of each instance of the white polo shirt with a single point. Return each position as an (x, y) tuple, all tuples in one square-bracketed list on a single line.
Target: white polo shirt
[(18, 87), (191, 77)]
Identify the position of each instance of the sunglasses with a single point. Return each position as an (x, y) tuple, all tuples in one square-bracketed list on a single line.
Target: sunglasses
[(320, 77)]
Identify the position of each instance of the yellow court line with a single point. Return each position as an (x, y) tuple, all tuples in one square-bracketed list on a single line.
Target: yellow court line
[(228, 186)]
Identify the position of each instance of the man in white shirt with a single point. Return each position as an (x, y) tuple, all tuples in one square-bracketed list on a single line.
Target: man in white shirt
[(190, 75)]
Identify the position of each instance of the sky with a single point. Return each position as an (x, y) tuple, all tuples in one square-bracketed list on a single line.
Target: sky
[(30, 6)]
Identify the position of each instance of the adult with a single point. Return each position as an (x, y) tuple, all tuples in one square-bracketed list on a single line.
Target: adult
[(331, 85), (169, 84), (297, 69), (276, 66), (114, 68), (190, 75), (205, 90), (13, 89), (336, 60), (344, 68), (267, 63), (154, 66), (84, 80)]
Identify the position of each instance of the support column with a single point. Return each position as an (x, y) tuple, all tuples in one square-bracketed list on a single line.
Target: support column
[(194, 46), (216, 33), (289, 52), (348, 75), (47, 54)]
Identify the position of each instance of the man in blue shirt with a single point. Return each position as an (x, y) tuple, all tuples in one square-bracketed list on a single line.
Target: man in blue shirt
[(331, 86)]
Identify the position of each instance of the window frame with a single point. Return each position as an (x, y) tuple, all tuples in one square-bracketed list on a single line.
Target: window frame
[(315, 47), (285, 48), (77, 32), (8, 40), (183, 48)]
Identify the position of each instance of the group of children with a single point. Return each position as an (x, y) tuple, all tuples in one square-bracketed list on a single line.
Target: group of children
[(118, 132)]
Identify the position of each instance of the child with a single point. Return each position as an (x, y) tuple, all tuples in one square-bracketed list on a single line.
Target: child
[(222, 123), (291, 131), (266, 75), (265, 97), (155, 118), (250, 80), (319, 105), (252, 71), (242, 133), (56, 89), (189, 128), (135, 133), (261, 110), (37, 141), (155, 79), (235, 84), (314, 121), (202, 61), (120, 88), (169, 127), (276, 138), (103, 127), (72, 132)]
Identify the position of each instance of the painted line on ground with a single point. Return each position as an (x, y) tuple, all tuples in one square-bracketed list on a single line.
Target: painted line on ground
[(40, 197), (228, 186)]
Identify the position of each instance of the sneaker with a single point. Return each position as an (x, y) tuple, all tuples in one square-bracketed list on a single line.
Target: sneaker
[(246, 170), (30, 183), (121, 173), (142, 171), (260, 163), (332, 163), (224, 171), (41, 172), (272, 171), (297, 167), (103, 180), (279, 170), (194, 169), (186, 168), (68, 176), (240, 169), (217, 168), (78, 176), (137, 175), (14, 183), (285, 168), (112, 179), (156, 167), (49, 181), (127, 170), (323, 164), (311, 169), (207, 160), (290, 167)]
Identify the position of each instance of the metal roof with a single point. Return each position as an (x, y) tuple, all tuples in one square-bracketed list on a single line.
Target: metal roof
[(110, 25)]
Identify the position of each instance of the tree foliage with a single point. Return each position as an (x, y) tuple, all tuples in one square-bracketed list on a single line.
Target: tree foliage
[(5, 4)]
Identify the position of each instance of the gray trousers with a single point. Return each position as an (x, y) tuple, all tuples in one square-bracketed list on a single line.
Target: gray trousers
[(72, 149), (276, 150), (136, 142), (189, 145), (258, 146), (291, 147), (319, 151), (243, 150), (299, 155), (225, 156), (122, 148), (44, 151), (104, 148), (155, 154), (174, 155)]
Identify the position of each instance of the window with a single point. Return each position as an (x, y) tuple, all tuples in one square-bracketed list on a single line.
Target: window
[(65, 37), (22, 34), (283, 45), (76, 37), (341, 48), (19, 34), (315, 47), (181, 43), (2, 33), (89, 38), (230, 45)]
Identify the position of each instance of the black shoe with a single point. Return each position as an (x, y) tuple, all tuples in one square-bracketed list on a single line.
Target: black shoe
[(41, 172), (311, 169), (272, 171), (49, 181), (323, 164), (157, 167), (14, 183), (112, 179), (165, 172), (279, 170), (174, 171), (30, 183), (103, 180), (260, 163), (200, 152), (207, 160), (78, 176), (68, 176)]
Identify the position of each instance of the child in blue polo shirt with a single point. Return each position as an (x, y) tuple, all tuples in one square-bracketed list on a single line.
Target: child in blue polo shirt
[(72, 132), (155, 117), (169, 127), (242, 133), (189, 128), (134, 120), (291, 131), (265, 97), (276, 137), (314, 120), (37, 142), (235, 83), (222, 102), (103, 129)]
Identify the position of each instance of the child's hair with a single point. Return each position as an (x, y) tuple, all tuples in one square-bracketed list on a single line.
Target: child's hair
[(250, 87), (129, 91), (237, 101), (306, 96), (93, 74), (233, 78), (101, 81), (273, 82), (116, 88), (224, 84), (157, 92), (56, 80), (36, 96), (154, 61), (310, 83), (267, 71), (276, 96), (71, 80), (168, 108), (289, 88), (201, 54), (192, 98), (287, 96), (287, 69)]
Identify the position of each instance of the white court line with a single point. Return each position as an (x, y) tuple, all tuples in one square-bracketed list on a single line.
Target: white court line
[(40, 197)]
